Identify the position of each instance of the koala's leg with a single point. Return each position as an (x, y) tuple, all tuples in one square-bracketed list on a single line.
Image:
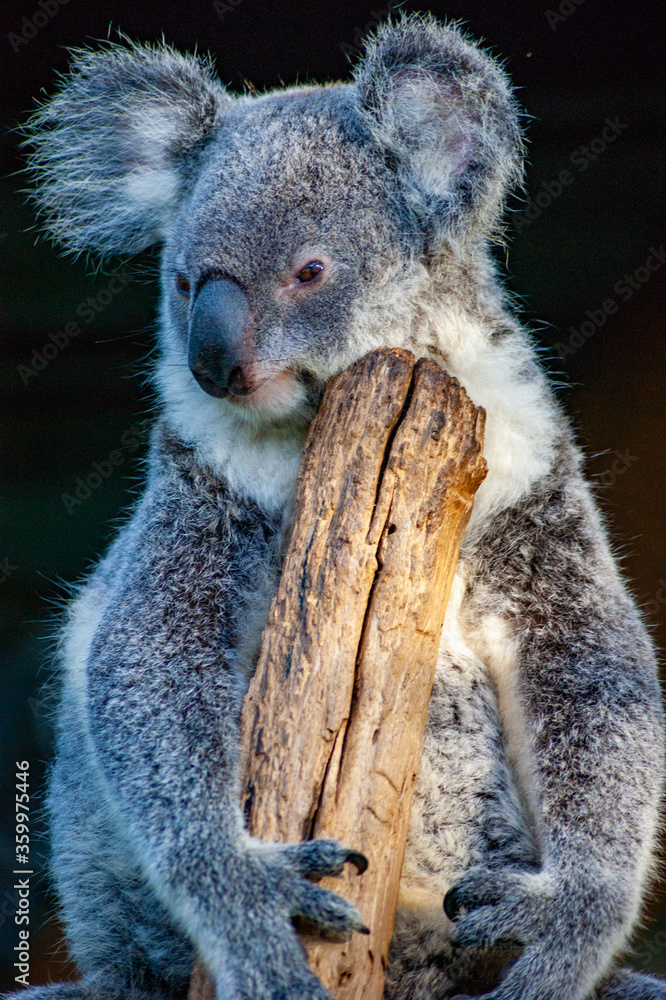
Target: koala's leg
[(466, 811), (160, 692), (120, 935), (625, 984), (580, 704), (103, 987)]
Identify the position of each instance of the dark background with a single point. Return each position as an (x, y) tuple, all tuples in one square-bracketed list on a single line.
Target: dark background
[(576, 65)]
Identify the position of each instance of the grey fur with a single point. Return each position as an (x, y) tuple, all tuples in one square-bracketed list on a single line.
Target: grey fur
[(538, 791)]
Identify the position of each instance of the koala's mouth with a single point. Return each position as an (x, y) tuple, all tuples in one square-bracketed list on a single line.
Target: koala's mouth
[(260, 393), (271, 391), (239, 384)]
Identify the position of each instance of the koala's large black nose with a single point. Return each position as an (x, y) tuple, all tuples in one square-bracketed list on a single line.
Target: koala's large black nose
[(218, 322)]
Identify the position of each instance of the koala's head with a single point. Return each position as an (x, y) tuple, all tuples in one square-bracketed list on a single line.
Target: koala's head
[(295, 224)]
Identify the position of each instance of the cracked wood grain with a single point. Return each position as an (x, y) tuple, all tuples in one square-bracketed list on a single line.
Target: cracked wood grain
[(333, 719)]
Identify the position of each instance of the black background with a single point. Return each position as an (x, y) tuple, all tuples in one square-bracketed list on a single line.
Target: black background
[(576, 65)]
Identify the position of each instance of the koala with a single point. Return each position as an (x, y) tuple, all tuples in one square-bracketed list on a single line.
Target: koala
[(300, 229)]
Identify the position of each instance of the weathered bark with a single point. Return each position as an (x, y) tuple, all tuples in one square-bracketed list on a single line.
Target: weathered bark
[(333, 720)]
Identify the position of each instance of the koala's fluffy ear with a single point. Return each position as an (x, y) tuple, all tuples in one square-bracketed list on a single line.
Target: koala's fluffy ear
[(112, 148), (444, 112)]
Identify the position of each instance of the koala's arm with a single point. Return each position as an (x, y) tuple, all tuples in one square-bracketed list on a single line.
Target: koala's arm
[(581, 706), (163, 699)]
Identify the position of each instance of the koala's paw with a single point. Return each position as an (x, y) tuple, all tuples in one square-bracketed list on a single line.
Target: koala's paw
[(313, 860), (271, 891), (490, 906), (565, 928), (287, 874), (272, 980), (318, 858)]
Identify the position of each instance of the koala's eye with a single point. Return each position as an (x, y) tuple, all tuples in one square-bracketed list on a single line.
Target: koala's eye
[(182, 284), (310, 272)]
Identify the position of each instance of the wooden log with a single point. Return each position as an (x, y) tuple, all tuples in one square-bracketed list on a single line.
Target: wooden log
[(333, 719)]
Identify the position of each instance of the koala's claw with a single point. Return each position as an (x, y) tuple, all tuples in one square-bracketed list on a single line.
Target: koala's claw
[(490, 906), (452, 907), (330, 912), (359, 861), (458, 899), (318, 858)]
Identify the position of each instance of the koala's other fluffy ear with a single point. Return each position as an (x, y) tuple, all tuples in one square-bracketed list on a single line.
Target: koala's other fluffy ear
[(112, 148), (444, 112)]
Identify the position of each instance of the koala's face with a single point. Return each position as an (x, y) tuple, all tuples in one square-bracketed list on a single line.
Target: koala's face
[(282, 248), (298, 226)]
